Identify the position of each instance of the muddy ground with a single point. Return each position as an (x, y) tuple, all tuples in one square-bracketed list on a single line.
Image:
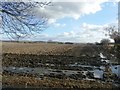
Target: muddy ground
[(57, 58)]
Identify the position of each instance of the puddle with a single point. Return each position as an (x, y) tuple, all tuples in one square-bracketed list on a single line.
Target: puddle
[(102, 56), (97, 71), (116, 70), (41, 71), (37, 70)]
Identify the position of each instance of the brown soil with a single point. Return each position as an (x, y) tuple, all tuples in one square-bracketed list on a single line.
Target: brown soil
[(25, 81)]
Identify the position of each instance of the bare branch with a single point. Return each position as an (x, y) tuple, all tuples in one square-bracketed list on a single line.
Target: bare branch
[(19, 21)]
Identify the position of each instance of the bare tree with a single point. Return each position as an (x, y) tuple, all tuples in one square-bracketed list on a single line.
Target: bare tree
[(105, 41), (19, 20), (114, 33)]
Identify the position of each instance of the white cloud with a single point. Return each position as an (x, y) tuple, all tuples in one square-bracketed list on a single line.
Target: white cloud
[(69, 34), (93, 27), (59, 25), (0, 21), (85, 33), (70, 9), (62, 0), (74, 9), (50, 21), (56, 24)]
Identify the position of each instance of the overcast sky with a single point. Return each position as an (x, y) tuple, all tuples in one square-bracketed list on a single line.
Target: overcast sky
[(80, 22)]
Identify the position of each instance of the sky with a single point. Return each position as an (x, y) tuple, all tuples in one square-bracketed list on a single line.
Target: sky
[(80, 22)]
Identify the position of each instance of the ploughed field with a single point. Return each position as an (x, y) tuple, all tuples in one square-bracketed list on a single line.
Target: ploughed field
[(54, 65), (37, 48), (48, 54)]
